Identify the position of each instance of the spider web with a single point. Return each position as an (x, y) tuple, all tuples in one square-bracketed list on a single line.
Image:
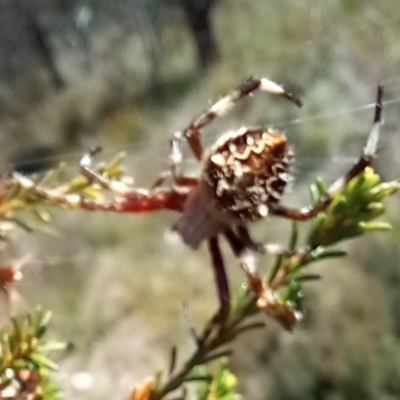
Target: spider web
[(152, 153), (149, 155)]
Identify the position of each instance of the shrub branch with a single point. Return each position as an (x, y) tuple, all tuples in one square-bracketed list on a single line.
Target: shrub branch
[(353, 212)]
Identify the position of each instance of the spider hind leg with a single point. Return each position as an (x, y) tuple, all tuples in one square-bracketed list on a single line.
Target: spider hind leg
[(220, 278)]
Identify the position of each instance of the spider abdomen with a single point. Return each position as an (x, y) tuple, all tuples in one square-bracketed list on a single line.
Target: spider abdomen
[(247, 170)]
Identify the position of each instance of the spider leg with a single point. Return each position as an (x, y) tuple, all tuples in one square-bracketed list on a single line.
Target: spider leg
[(267, 298), (179, 181), (363, 162), (160, 180), (175, 158), (223, 106), (247, 262), (92, 176), (248, 241), (220, 277), (269, 248), (121, 189)]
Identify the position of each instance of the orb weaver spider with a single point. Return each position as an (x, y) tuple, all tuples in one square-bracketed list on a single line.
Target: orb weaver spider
[(242, 179)]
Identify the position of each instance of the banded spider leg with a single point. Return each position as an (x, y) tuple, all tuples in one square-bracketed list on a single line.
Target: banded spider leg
[(241, 241), (367, 156), (223, 106)]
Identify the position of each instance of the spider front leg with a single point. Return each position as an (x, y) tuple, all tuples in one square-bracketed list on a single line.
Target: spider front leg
[(364, 161), (175, 171), (222, 107)]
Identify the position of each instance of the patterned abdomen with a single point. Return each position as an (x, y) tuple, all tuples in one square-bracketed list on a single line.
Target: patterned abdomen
[(247, 170)]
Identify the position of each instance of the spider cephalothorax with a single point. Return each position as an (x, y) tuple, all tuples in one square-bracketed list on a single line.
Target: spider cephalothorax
[(243, 176)]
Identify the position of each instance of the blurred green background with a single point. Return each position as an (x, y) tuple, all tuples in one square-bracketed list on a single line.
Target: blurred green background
[(125, 74)]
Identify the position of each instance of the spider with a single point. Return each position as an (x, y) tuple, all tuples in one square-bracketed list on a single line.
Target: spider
[(242, 179)]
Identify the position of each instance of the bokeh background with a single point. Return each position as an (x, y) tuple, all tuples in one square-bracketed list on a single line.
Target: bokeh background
[(125, 74)]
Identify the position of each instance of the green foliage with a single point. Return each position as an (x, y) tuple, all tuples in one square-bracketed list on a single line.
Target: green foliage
[(25, 365), (222, 385), (352, 213), (359, 201), (22, 198)]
